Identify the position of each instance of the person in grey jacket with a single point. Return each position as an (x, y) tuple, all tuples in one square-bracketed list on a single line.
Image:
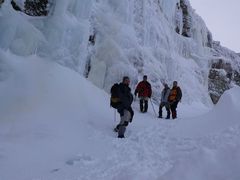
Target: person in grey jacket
[(124, 109), (164, 101)]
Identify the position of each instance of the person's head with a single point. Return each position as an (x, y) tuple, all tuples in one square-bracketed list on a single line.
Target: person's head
[(165, 85), (145, 77), (175, 83), (126, 80)]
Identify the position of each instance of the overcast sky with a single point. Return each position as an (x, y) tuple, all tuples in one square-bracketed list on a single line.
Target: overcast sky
[(222, 17)]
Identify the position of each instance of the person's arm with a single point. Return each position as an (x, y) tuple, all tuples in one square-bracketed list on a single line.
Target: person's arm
[(179, 94), (150, 91), (136, 90)]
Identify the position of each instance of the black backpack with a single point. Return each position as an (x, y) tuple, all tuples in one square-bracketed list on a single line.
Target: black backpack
[(115, 98)]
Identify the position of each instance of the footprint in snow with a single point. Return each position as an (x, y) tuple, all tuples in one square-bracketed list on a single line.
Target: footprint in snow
[(79, 159)]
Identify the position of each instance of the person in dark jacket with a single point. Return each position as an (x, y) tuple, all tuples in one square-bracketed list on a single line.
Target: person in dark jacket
[(144, 91), (174, 98), (124, 108), (164, 101)]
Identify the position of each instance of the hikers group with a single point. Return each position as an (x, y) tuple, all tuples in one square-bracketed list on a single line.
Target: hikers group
[(122, 98), (170, 99)]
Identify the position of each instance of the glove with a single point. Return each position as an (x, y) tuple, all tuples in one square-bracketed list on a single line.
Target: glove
[(125, 123), (130, 120)]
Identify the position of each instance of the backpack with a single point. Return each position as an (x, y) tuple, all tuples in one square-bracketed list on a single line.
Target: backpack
[(115, 98)]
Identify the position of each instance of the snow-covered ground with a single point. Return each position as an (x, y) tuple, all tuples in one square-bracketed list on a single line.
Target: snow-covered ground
[(55, 125)]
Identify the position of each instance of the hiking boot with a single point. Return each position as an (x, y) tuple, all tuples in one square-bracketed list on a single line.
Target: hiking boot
[(174, 114), (167, 117), (121, 136), (159, 116)]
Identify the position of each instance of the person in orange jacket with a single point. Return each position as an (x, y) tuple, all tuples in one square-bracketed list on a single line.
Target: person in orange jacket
[(144, 91), (174, 98)]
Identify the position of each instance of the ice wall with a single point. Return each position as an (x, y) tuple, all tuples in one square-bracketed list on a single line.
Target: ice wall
[(136, 37), (131, 37)]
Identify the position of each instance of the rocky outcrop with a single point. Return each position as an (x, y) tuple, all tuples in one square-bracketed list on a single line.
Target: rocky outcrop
[(220, 77), (186, 31), (15, 6), (1, 2), (236, 77), (224, 71), (36, 8)]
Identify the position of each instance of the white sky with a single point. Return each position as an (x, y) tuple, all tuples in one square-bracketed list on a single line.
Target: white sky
[(222, 19)]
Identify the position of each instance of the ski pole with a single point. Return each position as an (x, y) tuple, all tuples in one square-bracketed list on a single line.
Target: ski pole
[(153, 107), (115, 119)]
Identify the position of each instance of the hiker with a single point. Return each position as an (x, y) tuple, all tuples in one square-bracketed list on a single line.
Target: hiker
[(123, 105), (174, 97), (144, 91), (164, 101)]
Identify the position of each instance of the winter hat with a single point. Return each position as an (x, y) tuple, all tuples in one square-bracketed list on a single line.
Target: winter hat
[(125, 78)]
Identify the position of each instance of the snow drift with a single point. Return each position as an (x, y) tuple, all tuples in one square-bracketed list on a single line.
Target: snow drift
[(57, 125)]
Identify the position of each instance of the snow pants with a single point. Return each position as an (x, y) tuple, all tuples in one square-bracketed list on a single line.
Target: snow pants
[(166, 104), (143, 104), (173, 108), (125, 119)]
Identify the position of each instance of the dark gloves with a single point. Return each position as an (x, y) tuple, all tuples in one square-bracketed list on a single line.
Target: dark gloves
[(130, 120), (135, 92), (125, 123)]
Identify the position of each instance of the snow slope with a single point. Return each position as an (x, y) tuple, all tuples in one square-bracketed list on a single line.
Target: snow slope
[(44, 116), (56, 125)]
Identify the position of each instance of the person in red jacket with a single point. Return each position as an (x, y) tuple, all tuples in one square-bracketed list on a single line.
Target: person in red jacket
[(144, 91)]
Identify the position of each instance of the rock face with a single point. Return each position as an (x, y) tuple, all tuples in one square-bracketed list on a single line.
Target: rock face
[(224, 71), (220, 77), (36, 8), (186, 31), (1, 1)]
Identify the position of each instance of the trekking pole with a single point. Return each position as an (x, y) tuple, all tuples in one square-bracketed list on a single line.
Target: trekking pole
[(115, 119), (153, 107)]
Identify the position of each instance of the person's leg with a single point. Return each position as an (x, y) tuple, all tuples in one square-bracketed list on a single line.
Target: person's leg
[(145, 105), (141, 104), (168, 111), (160, 110), (123, 123), (121, 112), (173, 109)]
